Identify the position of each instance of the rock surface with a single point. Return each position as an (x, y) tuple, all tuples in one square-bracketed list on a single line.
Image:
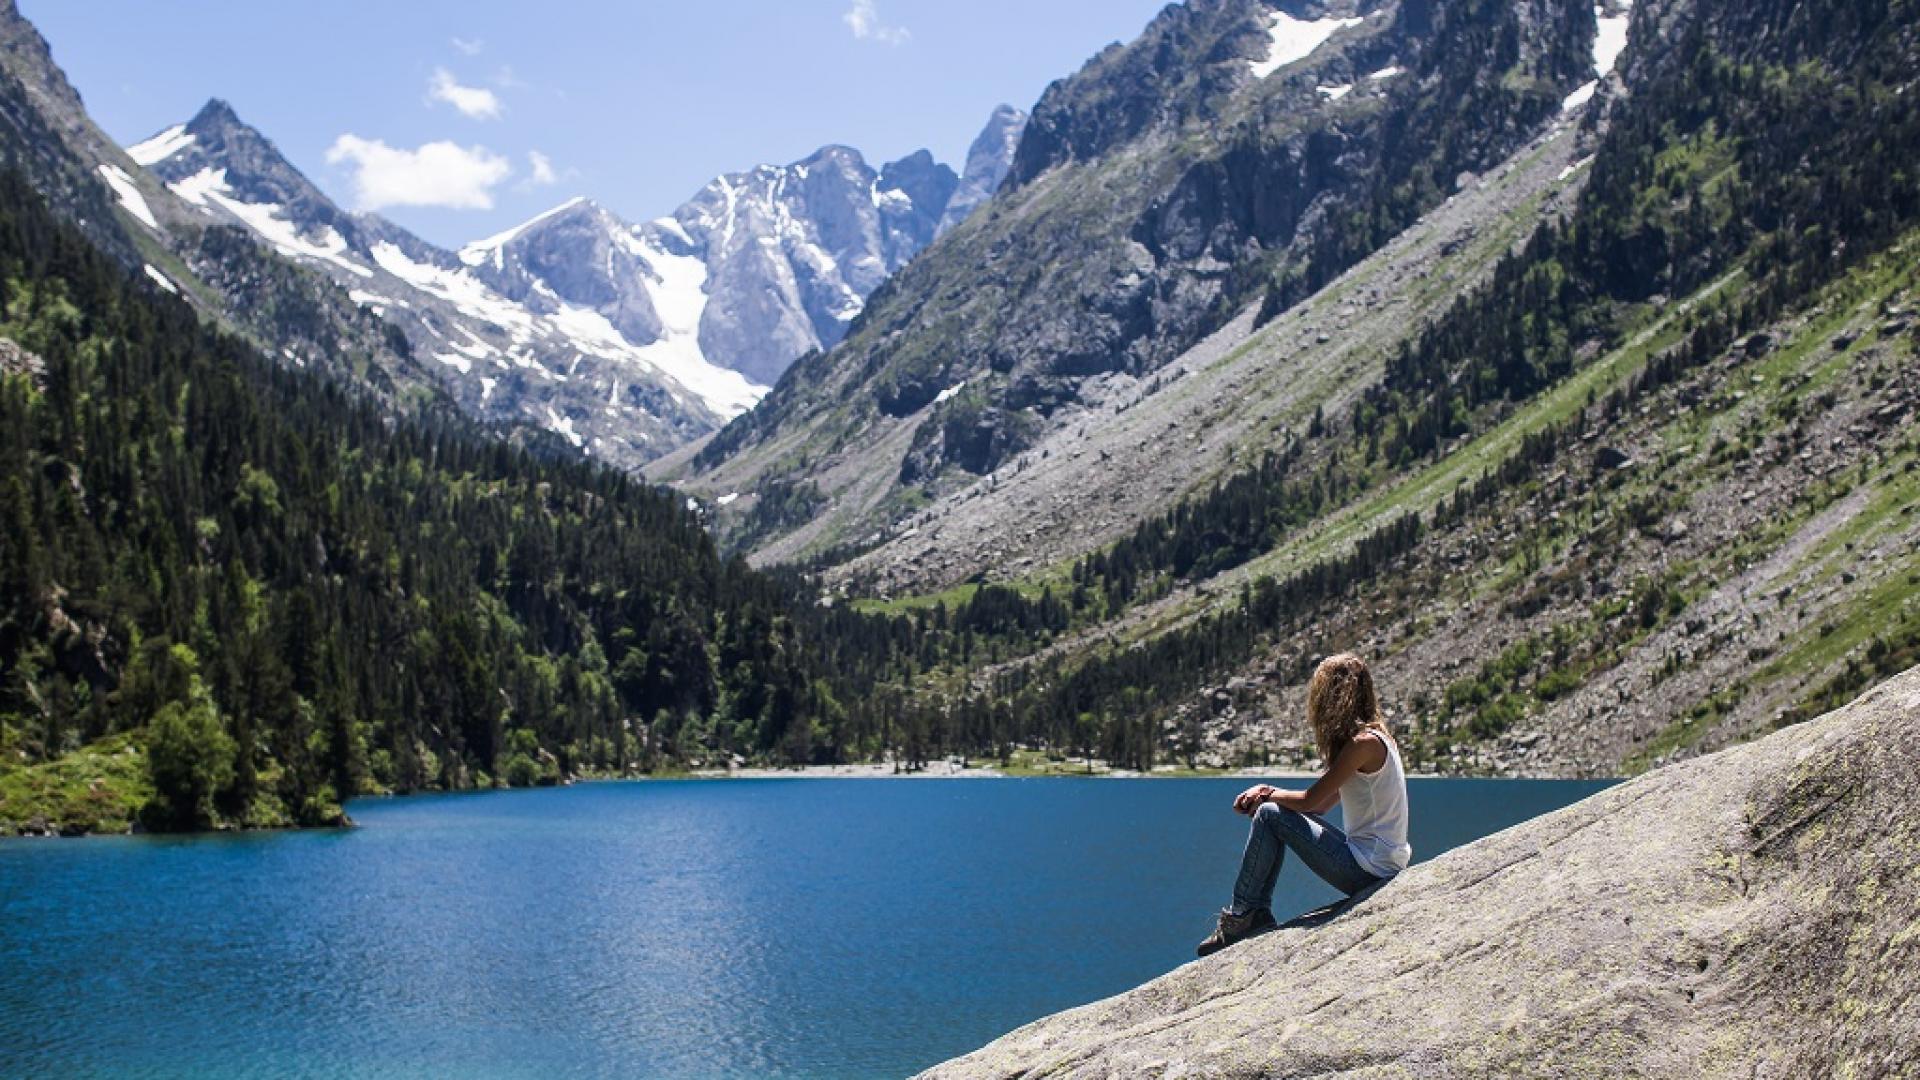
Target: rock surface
[(988, 160), (1752, 913)]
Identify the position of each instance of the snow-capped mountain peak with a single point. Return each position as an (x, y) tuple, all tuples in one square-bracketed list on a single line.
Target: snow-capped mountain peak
[(566, 363), (481, 250), (626, 340)]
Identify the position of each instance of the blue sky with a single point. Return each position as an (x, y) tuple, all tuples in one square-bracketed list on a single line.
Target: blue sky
[(636, 104)]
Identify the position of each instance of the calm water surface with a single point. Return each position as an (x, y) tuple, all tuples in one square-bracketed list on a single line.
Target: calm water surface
[(836, 928)]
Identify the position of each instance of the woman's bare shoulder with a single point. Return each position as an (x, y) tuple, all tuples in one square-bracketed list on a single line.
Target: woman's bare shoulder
[(1372, 746)]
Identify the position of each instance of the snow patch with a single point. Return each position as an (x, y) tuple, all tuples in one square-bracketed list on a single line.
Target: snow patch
[(477, 349), (455, 360), (564, 426), (727, 499), (672, 225), (1575, 167), (375, 300), (1387, 72), (1294, 39), (680, 299), (208, 188), (465, 292), (161, 146), (196, 188), (129, 195), (486, 389), (1609, 41), (162, 280), (950, 392), (1335, 93), (678, 292)]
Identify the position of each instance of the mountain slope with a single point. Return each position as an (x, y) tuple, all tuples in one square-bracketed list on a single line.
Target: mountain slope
[(292, 312), (1129, 446), (232, 593), (1169, 185), (625, 367), (1607, 460), (1643, 490), (1728, 917)]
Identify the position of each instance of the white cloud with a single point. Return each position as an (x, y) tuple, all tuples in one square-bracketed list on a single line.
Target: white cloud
[(469, 46), (540, 171), (437, 174), (474, 102), (864, 21)]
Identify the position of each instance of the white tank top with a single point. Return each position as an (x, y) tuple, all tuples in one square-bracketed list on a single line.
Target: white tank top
[(1374, 807)]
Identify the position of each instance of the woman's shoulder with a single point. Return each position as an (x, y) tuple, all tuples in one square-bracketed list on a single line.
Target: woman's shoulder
[(1372, 743), (1367, 736)]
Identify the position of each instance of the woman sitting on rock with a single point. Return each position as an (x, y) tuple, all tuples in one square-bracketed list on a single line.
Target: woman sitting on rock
[(1364, 776)]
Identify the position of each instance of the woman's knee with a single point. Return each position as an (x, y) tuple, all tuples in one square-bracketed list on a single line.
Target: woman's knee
[(1291, 826), (1273, 815)]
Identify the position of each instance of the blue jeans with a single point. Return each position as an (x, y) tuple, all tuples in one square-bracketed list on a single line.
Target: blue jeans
[(1321, 846)]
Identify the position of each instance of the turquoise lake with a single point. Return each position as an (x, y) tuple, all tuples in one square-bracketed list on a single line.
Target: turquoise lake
[(835, 928)]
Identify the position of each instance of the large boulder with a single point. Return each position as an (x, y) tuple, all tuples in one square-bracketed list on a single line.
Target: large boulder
[(1747, 914)]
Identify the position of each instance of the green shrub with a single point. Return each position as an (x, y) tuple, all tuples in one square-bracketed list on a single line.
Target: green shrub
[(190, 756)]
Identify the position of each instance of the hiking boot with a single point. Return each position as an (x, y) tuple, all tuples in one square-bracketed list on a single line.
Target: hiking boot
[(1236, 928)]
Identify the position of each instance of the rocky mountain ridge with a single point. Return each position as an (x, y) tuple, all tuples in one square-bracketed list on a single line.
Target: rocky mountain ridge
[(988, 160), (1235, 153), (577, 322)]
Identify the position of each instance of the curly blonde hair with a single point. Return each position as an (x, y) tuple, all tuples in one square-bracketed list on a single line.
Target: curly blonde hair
[(1340, 703)]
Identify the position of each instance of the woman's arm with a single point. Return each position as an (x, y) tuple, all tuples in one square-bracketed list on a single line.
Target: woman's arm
[(1364, 751)]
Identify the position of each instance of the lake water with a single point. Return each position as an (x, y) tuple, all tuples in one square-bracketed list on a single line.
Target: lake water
[(836, 928)]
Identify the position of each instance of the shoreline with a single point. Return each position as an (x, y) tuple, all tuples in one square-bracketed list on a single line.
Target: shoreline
[(949, 770)]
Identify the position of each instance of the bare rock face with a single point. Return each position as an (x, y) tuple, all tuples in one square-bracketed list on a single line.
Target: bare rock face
[(988, 160), (1748, 914), (15, 360), (792, 252)]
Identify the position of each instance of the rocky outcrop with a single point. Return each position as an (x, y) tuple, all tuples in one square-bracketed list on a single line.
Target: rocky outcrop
[(792, 252), (1746, 914), (15, 360), (988, 160)]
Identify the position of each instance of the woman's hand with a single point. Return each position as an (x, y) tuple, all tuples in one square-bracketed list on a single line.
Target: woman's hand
[(1249, 800)]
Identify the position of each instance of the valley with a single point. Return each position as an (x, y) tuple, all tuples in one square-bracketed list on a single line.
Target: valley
[(516, 639), (1591, 420)]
